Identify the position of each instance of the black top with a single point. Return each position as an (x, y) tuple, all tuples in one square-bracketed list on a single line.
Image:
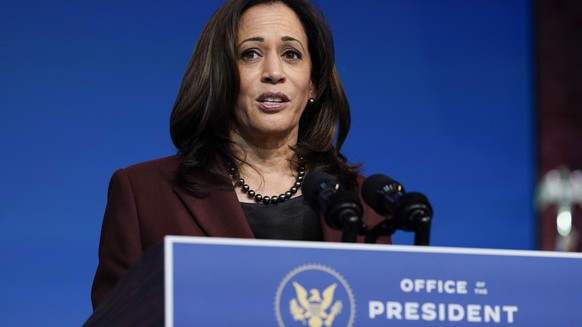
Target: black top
[(293, 219)]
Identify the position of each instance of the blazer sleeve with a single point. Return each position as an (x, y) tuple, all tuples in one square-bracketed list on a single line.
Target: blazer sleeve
[(120, 242)]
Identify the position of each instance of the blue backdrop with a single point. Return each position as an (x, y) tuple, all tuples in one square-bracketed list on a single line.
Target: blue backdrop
[(441, 95)]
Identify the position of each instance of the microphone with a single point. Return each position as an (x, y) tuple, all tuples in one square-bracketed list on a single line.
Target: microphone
[(408, 211), (382, 193), (415, 214), (341, 208)]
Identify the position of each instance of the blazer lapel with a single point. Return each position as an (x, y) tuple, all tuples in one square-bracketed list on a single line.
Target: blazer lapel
[(219, 214)]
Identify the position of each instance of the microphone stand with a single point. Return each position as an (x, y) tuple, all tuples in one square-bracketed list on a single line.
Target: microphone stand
[(345, 213), (385, 228), (389, 227), (350, 228), (345, 216), (422, 232)]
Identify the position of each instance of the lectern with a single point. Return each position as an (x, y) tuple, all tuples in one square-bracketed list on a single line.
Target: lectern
[(192, 281)]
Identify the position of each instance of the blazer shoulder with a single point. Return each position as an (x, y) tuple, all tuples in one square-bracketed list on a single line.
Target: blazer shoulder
[(171, 162), (166, 167), (153, 174)]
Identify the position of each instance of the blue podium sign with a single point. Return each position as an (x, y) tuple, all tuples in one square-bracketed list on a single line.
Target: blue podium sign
[(232, 282)]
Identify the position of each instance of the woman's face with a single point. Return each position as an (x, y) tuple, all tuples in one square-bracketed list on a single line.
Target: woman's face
[(275, 74)]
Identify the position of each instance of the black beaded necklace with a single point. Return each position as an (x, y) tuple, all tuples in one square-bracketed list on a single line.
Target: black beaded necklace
[(269, 199)]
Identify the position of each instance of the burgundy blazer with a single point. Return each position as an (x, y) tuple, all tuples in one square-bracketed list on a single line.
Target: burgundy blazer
[(144, 205)]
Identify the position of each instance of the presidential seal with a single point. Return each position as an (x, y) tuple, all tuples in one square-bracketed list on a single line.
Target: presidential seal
[(314, 295)]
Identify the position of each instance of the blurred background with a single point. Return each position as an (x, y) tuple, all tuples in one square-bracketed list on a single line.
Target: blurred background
[(476, 104)]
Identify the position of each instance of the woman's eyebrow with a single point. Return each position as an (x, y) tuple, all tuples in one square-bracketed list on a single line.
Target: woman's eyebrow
[(262, 39)]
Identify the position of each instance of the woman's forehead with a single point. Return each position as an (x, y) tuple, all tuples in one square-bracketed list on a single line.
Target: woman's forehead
[(267, 20)]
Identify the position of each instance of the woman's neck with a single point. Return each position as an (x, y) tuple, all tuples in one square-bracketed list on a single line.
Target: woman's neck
[(267, 167)]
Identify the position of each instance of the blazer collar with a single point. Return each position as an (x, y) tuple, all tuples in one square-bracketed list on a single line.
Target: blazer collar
[(219, 214)]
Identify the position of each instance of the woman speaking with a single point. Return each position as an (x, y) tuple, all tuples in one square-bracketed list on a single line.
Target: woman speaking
[(259, 107)]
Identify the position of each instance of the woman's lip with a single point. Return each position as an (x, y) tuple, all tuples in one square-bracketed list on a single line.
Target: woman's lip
[(272, 106), (268, 95)]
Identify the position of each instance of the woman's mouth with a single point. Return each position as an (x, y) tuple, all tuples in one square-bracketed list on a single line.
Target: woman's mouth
[(272, 102)]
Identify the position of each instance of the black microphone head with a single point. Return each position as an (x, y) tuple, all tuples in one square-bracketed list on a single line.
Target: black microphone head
[(315, 183), (382, 193), (414, 212)]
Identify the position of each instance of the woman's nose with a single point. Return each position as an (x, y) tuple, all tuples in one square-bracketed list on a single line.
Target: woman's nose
[(272, 70)]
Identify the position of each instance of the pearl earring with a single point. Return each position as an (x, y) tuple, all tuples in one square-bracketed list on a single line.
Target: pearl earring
[(311, 100)]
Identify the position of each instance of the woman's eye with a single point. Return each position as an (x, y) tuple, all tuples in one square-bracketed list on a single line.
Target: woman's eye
[(249, 55), (292, 55)]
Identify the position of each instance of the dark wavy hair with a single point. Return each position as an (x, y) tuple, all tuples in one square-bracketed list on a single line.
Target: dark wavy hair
[(202, 115)]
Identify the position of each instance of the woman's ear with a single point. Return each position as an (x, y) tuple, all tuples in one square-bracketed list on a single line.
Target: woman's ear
[(312, 91)]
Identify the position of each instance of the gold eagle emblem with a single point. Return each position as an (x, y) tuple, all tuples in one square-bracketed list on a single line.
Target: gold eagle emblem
[(313, 309)]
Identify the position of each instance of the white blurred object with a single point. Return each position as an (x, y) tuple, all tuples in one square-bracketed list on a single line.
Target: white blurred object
[(564, 221), (562, 189)]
